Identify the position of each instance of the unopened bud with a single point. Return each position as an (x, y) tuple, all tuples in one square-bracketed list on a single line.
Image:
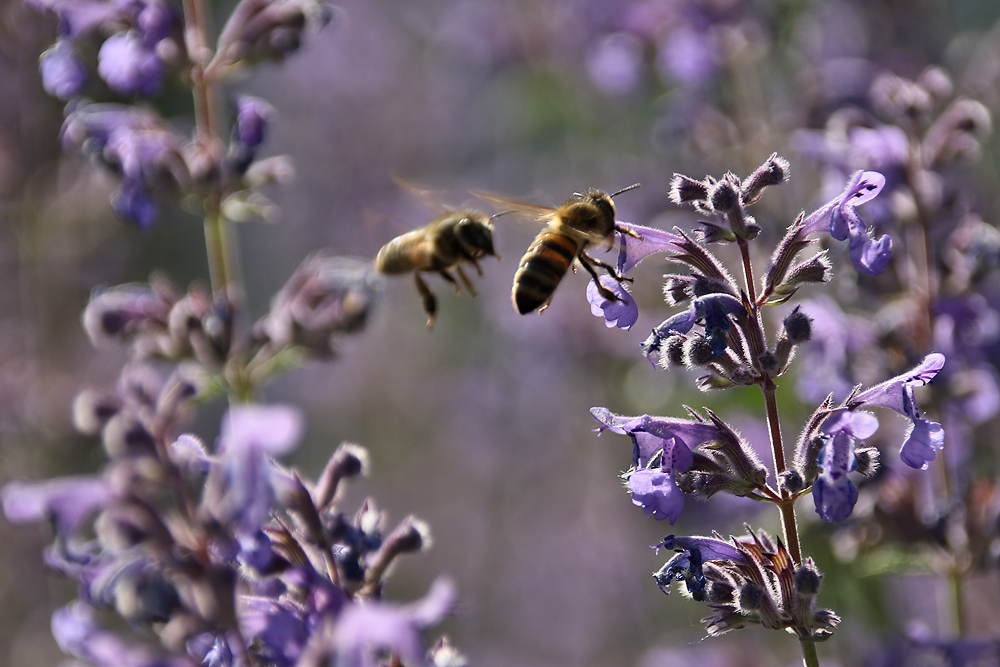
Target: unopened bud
[(697, 351), (868, 461), (807, 579), (772, 172), (751, 596), (798, 326), (791, 481), (685, 190), (724, 196)]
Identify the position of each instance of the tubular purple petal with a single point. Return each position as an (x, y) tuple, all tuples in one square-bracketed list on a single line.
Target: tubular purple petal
[(839, 218), (709, 547), (892, 393), (922, 443), (622, 313), (68, 500), (631, 250), (656, 493)]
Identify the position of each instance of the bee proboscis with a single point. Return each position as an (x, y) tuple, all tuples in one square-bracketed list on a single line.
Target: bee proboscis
[(443, 245), (584, 219)]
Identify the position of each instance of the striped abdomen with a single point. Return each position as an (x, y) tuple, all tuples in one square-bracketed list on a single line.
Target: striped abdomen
[(542, 267)]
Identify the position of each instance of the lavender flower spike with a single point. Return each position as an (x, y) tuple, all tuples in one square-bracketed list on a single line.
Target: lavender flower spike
[(833, 492), (838, 217), (926, 437)]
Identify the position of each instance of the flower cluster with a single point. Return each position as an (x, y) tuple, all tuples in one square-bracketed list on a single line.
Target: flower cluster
[(721, 332)]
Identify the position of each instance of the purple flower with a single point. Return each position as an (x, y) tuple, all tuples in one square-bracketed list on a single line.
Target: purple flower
[(833, 492), (631, 250), (925, 437), (76, 631), (686, 565), (656, 492), (129, 65), (252, 117), (838, 217), (622, 313), (365, 629), (133, 202), (63, 75), (660, 450), (615, 63), (68, 501), (713, 310), (241, 486)]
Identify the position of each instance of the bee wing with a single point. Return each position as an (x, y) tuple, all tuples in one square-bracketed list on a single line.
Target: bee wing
[(531, 212), (433, 200)]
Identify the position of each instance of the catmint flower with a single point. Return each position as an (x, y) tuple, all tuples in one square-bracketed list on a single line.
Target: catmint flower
[(624, 312), (252, 117), (661, 449), (713, 310), (129, 66), (325, 296), (241, 487), (621, 313), (77, 633), (365, 629), (838, 217), (67, 501), (686, 565), (925, 437), (63, 75), (833, 492), (632, 250), (138, 147)]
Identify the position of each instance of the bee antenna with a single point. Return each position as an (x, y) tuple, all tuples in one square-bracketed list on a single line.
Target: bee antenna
[(631, 187), (497, 215)]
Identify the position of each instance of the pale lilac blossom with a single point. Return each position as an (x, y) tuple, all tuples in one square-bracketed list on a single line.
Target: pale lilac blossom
[(838, 217), (834, 494)]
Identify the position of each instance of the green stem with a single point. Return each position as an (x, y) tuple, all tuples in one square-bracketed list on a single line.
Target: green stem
[(958, 600), (809, 656), (217, 242)]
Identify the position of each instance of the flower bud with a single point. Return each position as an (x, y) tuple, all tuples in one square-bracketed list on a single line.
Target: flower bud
[(797, 326), (774, 170)]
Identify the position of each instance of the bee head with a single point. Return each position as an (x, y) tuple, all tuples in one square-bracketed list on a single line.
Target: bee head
[(476, 236)]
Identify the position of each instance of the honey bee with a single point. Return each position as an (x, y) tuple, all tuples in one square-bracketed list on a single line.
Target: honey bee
[(582, 220), (443, 245)]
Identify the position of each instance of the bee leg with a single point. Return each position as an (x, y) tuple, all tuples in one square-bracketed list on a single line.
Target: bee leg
[(607, 267), (450, 278), (428, 298), (479, 269), (585, 261), (465, 280), (628, 232)]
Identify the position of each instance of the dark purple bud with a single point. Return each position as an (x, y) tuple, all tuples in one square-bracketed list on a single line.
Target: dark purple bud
[(686, 190), (807, 579), (134, 203), (724, 196), (253, 115), (797, 326), (63, 75), (774, 170), (791, 481), (698, 351), (155, 22), (349, 460), (751, 597)]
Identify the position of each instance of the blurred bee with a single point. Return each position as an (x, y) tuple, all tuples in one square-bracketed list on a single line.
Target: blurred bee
[(443, 245), (582, 220)]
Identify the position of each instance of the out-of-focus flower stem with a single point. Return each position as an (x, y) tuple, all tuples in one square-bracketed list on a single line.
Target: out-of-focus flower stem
[(216, 231)]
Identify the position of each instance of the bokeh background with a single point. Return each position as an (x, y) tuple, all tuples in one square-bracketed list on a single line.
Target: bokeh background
[(481, 426)]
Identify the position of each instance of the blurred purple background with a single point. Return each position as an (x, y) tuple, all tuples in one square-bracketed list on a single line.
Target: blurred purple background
[(481, 427)]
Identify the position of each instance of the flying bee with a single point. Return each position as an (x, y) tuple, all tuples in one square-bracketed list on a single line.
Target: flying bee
[(584, 219), (443, 245)]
